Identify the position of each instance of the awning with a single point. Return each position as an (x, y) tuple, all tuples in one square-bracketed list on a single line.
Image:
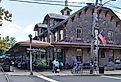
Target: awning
[(71, 44), (35, 43), (84, 45)]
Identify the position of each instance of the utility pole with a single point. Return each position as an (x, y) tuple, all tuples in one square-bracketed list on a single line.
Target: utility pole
[(93, 37), (95, 25)]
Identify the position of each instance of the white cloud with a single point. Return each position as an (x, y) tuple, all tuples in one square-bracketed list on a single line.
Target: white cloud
[(14, 30), (29, 29), (9, 29)]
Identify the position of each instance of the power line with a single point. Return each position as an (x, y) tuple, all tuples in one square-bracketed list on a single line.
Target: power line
[(110, 5), (114, 6), (60, 1), (44, 3)]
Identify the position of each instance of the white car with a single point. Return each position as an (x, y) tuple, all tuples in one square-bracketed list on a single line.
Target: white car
[(118, 64)]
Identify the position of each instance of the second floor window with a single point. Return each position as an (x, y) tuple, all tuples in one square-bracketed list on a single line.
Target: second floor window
[(50, 38), (79, 32), (45, 39), (110, 35), (56, 36), (61, 34)]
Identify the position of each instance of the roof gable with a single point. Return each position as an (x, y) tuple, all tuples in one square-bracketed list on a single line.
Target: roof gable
[(40, 25), (54, 16), (113, 17)]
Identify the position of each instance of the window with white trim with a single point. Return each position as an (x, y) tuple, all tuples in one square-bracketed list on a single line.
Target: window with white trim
[(45, 39), (56, 36), (61, 33), (50, 38), (79, 32)]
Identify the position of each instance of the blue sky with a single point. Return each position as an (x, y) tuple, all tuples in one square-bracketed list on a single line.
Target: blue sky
[(26, 15)]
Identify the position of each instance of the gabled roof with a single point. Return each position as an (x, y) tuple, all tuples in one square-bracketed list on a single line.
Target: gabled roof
[(40, 25), (55, 16), (84, 8), (61, 23)]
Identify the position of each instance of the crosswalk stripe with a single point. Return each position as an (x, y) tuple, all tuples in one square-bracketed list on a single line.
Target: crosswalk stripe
[(119, 78), (46, 78)]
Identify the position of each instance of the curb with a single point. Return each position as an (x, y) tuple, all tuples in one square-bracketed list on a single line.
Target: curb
[(112, 74)]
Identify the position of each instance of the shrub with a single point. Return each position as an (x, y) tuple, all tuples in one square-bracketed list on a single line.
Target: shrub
[(41, 64)]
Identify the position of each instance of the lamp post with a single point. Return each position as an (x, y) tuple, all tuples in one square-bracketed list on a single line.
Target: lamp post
[(95, 19), (30, 37)]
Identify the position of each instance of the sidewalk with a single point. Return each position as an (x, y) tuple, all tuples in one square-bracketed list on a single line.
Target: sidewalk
[(62, 73)]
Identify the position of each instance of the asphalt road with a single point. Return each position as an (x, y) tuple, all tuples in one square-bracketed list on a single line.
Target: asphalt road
[(22, 79), (87, 78), (2, 78), (63, 79)]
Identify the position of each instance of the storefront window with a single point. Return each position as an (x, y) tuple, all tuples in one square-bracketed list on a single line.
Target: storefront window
[(58, 53)]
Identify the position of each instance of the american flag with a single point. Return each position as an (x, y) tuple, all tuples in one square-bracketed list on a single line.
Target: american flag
[(101, 38)]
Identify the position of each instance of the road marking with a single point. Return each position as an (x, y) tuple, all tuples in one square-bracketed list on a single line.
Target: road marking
[(112, 77), (46, 78)]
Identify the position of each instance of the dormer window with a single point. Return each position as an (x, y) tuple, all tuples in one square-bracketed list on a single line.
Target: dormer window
[(68, 12)]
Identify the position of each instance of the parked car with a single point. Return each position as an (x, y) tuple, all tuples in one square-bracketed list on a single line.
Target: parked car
[(110, 66), (118, 64)]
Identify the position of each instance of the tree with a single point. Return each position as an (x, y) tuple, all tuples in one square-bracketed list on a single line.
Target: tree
[(2, 46), (6, 43), (4, 15)]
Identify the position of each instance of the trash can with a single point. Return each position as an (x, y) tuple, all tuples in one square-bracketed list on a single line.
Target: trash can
[(6, 68), (101, 70)]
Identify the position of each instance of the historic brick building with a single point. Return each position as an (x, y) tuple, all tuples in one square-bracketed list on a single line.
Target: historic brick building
[(71, 34)]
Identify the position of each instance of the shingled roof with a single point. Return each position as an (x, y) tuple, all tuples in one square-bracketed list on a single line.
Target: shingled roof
[(39, 25), (87, 7), (57, 16)]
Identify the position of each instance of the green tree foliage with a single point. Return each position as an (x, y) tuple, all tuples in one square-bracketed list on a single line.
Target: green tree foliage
[(6, 43), (41, 64), (4, 15)]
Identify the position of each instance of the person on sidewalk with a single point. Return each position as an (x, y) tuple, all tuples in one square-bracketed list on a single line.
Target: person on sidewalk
[(55, 66)]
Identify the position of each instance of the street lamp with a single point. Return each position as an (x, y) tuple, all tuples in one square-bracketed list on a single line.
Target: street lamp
[(95, 19), (30, 37)]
